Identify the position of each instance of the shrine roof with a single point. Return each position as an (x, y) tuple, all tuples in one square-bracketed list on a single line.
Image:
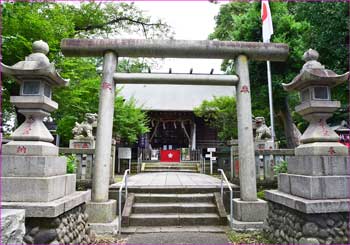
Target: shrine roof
[(172, 97)]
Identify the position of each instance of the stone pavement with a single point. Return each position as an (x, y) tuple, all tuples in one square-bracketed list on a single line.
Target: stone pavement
[(171, 179), (178, 238)]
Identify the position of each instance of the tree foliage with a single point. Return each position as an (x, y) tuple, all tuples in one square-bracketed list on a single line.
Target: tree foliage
[(220, 113), (83, 96), (329, 35), (25, 22), (298, 25)]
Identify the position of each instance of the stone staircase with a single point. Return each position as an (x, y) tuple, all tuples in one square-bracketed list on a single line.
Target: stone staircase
[(159, 212), (190, 167)]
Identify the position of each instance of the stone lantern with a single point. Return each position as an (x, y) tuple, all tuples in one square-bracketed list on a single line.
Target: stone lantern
[(36, 76), (34, 177), (312, 200), (314, 84)]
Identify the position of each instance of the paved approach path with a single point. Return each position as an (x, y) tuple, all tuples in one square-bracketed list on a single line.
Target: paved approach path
[(178, 238), (171, 179)]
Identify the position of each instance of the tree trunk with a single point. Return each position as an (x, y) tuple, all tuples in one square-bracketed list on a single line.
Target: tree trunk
[(291, 132)]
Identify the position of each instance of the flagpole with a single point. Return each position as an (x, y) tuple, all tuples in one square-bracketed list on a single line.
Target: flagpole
[(270, 102)]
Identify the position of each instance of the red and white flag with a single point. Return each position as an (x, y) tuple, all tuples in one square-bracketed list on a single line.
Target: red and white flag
[(267, 28)]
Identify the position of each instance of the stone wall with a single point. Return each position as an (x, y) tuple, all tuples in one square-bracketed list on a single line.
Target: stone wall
[(12, 226), (69, 228), (286, 225)]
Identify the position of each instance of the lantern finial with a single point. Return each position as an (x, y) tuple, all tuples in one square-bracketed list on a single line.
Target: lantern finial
[(310, 57), (311, 54), (40, 47)]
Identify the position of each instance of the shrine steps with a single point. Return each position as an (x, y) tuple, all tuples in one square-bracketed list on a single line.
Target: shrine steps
[(192, 167), (154, 212)]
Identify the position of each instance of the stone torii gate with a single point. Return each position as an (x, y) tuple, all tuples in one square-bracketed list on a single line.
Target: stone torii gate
[(248, 208)]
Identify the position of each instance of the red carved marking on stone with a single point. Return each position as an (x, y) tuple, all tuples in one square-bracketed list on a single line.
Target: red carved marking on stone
[(322, 124), (85, 145), (21, 149), (28, 128), (244, 89), (325, 133), (106, 85), (331, 151)]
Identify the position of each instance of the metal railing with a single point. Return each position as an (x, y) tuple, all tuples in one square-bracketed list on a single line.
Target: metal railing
[(194, 155), (223, 177), (123, 183)]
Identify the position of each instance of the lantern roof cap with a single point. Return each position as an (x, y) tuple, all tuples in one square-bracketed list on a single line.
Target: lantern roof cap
[(314, 73), (36, 66)]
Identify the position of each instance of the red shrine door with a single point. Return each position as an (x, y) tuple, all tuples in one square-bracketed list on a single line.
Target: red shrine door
[(170, 155)]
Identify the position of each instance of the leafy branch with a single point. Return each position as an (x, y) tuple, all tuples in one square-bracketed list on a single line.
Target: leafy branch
[(117, 20)]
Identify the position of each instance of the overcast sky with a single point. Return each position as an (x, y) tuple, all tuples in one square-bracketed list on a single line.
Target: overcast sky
[(191, 20)]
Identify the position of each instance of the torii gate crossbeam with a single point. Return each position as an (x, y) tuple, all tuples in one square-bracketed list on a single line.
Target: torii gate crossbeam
[(175, 79), (175, 48), (111, 49)]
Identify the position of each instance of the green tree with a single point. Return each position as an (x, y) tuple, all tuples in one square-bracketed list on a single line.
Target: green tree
[(83, 93), (329, 35), (25, 22), (220, 113), (241, 22)]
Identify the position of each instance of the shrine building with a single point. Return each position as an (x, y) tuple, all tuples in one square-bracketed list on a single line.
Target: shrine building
[(173, 123)]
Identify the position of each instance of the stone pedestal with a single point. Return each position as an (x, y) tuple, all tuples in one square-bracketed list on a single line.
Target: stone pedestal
[(321, 149), (38, 183), (313, 193), (82, 144), (249, 215), (103, 216), (264, 145), (297, 220)]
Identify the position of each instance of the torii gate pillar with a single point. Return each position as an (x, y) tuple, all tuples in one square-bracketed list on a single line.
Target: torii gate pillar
[(100, 209), (104, 129), (245, 132), (248, 211)]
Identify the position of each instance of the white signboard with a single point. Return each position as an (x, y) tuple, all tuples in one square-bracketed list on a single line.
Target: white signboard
[(124, 153), (207, 155), (211, 150), (213, 158), (155, 155)]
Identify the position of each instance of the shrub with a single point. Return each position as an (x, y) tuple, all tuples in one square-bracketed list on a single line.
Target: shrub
[(280, 168), (71, 163), (261, 194)]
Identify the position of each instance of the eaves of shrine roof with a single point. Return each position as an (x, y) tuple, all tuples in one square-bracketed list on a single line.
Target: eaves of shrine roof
[(172, 97)]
